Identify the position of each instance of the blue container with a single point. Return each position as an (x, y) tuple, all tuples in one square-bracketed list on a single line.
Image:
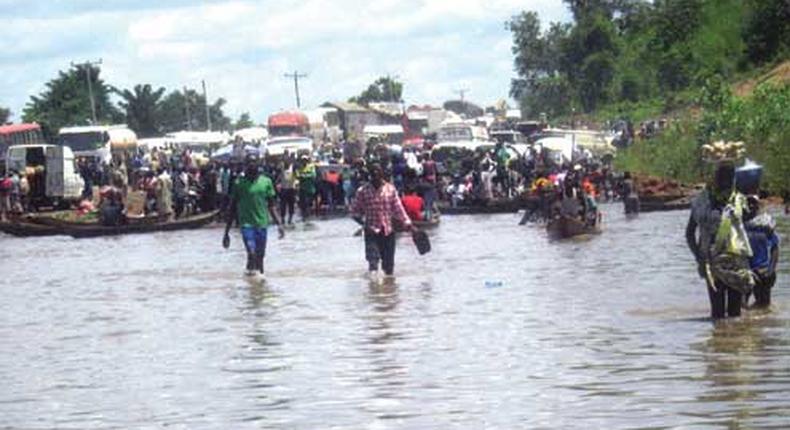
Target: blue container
[(747, 178)]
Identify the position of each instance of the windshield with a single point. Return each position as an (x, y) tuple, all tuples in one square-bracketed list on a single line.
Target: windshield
[(286, 130), (452, 134), (87, 141)]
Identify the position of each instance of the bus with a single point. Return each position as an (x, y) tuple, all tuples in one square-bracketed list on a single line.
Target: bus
[(18, 134)]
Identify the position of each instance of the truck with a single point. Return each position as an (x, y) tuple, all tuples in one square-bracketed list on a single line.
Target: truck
[(51, 171), (97, 142)]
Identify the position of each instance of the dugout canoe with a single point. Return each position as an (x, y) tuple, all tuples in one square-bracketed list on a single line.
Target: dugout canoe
[(29, 228), (565, 228)]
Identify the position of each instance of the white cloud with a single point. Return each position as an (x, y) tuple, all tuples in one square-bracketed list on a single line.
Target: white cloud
[(243, 48)]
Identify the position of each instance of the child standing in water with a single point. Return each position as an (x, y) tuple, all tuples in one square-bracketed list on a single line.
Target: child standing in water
[(761, 230)]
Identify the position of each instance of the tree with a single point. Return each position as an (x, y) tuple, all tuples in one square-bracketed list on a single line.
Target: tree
[(142, 107), (244, 121), (767, 32), (5, 115), (385, 89), (65, 101), (177, 106)]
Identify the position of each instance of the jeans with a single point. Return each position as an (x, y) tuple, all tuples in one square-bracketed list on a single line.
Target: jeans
[(379, 247)]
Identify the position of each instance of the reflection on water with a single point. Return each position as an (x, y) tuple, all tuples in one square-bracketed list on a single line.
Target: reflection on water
[(496, 328)]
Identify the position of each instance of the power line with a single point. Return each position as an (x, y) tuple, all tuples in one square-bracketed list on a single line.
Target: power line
[(296, 75), (87, 65)]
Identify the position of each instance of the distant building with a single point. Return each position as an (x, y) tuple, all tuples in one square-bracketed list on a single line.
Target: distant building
[(353, 118), (425, 120)]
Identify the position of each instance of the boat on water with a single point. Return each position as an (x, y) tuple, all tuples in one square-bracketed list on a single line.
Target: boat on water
[(48, 226), (490, 207), (562, 227)]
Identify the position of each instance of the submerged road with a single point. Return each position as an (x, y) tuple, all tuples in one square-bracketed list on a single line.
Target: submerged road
[(496, 328)]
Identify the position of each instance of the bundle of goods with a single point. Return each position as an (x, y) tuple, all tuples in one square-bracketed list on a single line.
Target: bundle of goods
[(747, 177), (719, 152)]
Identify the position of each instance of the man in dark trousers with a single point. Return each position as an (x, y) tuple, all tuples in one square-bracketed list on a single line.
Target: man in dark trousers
[(376, 206), (252, 203)]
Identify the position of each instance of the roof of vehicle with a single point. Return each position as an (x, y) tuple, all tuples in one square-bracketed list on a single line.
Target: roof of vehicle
[(92, 128), (288, 119), (16, 128), (31, 145)]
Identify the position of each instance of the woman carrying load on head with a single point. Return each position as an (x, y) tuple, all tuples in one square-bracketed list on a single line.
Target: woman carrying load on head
[(716, 236)]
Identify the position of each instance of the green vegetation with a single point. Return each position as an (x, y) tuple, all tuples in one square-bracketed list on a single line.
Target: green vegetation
[(761, 120), (385, 89), (623, 53), (5, 115), (637, 60), (66, 102)]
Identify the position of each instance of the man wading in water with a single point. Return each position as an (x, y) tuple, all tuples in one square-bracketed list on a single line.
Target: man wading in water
[(252, 201), (375, 206)]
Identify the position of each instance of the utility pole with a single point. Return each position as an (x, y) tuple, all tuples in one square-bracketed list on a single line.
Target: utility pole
[(87, 66), (186, 102), (205, 99), (461, 92), (296, 75)]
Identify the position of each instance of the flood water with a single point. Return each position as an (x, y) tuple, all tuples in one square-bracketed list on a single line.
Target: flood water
[(496, 328)]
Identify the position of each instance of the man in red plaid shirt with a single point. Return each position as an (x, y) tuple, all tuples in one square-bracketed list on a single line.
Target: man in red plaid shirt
[(375, 206)]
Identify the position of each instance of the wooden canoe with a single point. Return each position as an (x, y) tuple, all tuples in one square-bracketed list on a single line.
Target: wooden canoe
[(564, 228), (76, 230)]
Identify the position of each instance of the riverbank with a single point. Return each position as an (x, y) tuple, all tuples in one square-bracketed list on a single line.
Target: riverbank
[(759, 117)]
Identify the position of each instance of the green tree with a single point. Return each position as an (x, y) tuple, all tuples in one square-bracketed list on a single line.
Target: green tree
[(65, 101), (177, 106), (767, 31), (384, 89), (5, 115), (142, 107), (244, 121)]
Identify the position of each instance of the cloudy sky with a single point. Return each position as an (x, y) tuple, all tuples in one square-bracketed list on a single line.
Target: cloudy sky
[(243, 48)]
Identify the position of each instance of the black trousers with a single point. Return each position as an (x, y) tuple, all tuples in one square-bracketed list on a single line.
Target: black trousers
[(724, 300), (380, 248), (287, 203), (762, 290)]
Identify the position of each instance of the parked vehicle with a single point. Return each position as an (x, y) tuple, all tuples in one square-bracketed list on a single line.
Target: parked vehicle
[(51, 171), (98, 142), (18, 134)]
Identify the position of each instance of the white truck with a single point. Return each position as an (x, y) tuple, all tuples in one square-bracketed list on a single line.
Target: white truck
[(51, 171), (98, 142)]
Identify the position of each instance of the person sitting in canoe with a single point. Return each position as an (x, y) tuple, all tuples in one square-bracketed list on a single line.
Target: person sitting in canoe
[(414, 204)]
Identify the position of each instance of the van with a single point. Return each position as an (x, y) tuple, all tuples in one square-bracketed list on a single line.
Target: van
[(51, 171)]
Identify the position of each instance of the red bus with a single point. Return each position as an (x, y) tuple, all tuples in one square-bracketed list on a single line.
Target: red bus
[(19, 134)]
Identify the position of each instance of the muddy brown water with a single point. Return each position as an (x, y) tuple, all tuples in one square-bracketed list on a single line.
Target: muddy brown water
[(496, 328)]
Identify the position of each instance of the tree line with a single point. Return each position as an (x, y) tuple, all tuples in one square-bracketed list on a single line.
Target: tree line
[(624, 52), (149, 111)]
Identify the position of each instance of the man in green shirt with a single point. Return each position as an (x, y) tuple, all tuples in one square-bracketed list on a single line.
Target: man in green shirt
[(307, 176), (252, 202)]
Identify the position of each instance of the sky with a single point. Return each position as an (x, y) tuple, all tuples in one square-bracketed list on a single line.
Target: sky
[(242, 49)]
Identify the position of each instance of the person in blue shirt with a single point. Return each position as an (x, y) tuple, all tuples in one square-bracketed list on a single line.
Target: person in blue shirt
[(760, 228)]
